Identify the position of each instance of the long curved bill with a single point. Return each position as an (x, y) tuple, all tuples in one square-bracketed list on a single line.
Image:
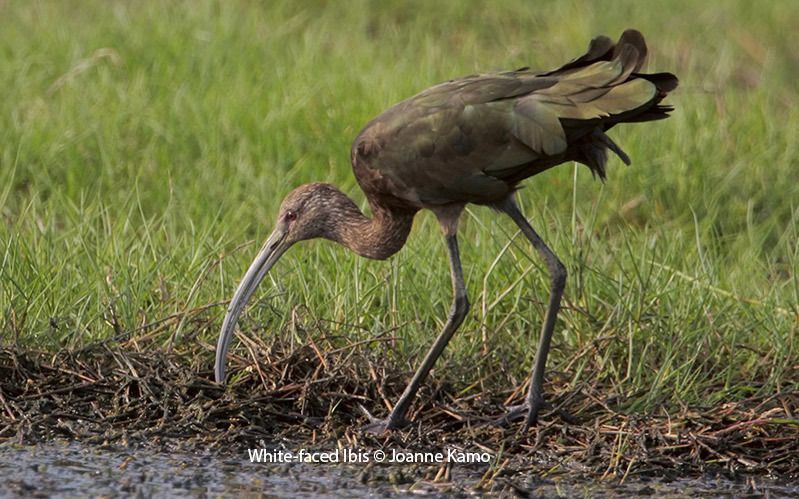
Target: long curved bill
[(270, 252)]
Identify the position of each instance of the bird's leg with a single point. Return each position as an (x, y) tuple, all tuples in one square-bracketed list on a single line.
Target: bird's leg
[(458, 311), (557, 274)]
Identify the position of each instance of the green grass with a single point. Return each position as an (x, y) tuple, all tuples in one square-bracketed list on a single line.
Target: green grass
[(145, 147)]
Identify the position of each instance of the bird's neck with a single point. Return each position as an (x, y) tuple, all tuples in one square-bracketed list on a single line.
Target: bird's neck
[(378, 237)]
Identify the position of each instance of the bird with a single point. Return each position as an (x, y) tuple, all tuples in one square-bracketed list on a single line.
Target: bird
[(468, 140)]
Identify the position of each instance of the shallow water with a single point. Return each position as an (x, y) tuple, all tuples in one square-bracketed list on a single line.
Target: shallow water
[(73, 470)]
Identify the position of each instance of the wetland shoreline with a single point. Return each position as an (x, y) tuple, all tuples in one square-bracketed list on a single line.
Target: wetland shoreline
[(115, 396)]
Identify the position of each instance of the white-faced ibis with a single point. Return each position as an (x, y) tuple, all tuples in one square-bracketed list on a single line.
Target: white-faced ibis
[(470, 140)]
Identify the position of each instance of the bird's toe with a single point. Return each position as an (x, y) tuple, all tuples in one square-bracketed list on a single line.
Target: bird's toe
[(379, 427), (526, 412), (514, 413), (532, 416)]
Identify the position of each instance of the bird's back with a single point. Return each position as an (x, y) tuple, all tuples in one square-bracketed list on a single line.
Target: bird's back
[(473, 139)]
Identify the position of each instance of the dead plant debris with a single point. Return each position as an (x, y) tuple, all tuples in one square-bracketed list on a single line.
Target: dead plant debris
[(123, 395)]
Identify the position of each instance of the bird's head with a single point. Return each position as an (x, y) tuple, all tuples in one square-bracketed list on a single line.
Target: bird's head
[(307, 212)]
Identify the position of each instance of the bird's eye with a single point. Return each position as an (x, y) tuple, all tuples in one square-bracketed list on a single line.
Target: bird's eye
[(291, 216)]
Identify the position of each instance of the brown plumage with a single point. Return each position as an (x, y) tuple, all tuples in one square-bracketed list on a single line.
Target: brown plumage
[(470, 140)]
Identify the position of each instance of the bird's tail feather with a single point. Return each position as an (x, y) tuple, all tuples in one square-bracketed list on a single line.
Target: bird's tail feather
[(631, 49), (623, 99), (590, 95)]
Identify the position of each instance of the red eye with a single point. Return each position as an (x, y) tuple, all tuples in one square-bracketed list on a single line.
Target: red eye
[(291, 216)]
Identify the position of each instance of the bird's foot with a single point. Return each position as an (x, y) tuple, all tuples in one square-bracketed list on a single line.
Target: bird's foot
[(527, 411), (381, 426), (378, 426)]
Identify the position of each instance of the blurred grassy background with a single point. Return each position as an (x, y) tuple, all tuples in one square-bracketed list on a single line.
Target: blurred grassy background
[(145, 147)]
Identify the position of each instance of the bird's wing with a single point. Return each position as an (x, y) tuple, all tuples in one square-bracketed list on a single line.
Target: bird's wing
[(431, 148), (470, 139), (598, 91)]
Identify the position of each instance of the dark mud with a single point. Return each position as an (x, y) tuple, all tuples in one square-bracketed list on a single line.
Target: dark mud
[(70, 469), (125, 399)]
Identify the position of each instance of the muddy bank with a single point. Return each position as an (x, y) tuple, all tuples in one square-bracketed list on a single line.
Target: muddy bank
[(123, 397), (72, 469)]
